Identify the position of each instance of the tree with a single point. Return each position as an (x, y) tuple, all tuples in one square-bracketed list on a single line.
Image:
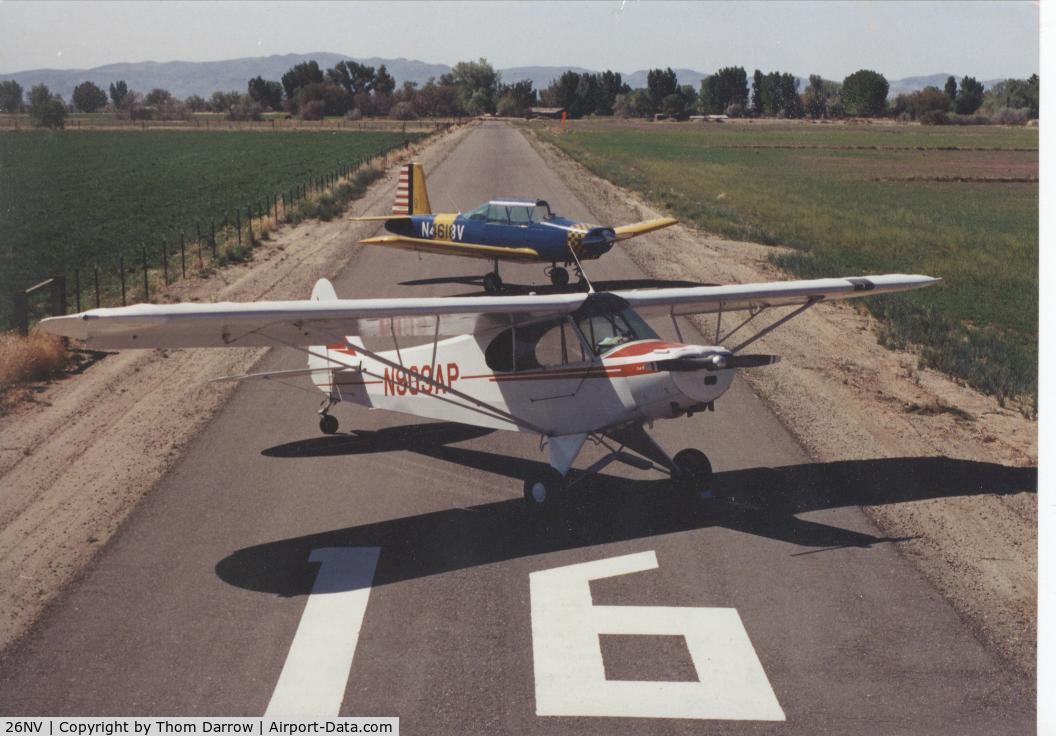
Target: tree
[(516, 99), (266, 93), (45, 109), (865, 93), (307, 72), (438, 99), (383, 82), (335, 100), (673, 106), (10, 96), (969, 97), (1015, 94), (158, 97), (727, 86), (758, 84), (195, 103), (224, 101), (661, 83), (951, 89), (791, 102), (611, 85), (478, 85), (352, 77), (118, 93), (916, 104), (87, 97)]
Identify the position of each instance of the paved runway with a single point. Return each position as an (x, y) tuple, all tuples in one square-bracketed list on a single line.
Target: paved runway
[(436, 599)]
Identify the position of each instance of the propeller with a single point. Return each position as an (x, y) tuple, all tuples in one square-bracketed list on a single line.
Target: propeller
[(717, 362)]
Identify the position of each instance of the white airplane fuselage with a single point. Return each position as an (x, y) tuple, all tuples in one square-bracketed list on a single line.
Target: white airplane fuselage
[(569, 398)]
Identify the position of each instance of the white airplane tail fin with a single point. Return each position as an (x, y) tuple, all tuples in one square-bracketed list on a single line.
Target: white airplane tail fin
[(318, 357)]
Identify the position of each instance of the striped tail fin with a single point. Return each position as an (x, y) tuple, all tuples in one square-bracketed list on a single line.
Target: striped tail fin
[(411, 195)]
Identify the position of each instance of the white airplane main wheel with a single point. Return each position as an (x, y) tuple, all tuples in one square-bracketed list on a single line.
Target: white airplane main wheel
[(544, 489), (492, 283), (692, 470), (559, 276), (328, 424)]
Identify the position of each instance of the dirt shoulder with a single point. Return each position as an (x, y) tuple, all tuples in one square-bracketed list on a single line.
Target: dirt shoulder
[(847, 398), (78, 456)]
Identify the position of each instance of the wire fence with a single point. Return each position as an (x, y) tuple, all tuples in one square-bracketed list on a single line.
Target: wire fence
[(138, 275)]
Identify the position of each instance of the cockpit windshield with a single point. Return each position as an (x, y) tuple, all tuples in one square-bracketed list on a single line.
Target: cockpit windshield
[(607, 322), (518, 212)]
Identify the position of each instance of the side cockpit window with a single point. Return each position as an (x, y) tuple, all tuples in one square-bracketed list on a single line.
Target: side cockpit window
[(536, 346)]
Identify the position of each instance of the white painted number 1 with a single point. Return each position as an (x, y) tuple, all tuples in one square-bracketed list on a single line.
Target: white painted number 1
[(570, 674), (313, 680)]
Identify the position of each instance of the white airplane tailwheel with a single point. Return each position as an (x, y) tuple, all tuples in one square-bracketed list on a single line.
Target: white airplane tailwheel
[(328, 424), (544, 489), (492, 283), (559, 276), (692, 471)]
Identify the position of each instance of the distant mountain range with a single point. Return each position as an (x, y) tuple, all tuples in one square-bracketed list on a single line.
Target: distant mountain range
[(185, 78)]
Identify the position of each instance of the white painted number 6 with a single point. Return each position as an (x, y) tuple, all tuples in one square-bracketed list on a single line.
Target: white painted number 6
[(570, 674)]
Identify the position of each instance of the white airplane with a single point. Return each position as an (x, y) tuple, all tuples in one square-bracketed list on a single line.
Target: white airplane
[(563, 366)]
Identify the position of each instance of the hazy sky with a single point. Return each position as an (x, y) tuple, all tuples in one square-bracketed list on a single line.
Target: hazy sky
[(984, 39)]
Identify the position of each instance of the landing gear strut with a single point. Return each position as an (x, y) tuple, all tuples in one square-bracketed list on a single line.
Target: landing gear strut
[(492, 281), (690, 469)]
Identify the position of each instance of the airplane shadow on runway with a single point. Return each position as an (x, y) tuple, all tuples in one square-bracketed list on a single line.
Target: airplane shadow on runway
[(573, 287), (603, 509)]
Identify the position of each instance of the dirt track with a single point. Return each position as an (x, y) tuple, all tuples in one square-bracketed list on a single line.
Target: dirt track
[(122, 424)]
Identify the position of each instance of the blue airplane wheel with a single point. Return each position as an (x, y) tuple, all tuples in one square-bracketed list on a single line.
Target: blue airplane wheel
[(492, 283), (559, 276)]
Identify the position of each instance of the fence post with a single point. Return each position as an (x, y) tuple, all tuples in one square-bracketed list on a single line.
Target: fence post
[(77, 288), (58, 295), (249, 223), (212, 237), (96, 269), (122, 267), (238, 226), (146, 283), (165, 262), (22, 312), (183, 257)]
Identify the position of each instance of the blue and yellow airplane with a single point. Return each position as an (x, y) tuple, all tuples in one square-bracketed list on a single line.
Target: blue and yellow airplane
[(521, 230)]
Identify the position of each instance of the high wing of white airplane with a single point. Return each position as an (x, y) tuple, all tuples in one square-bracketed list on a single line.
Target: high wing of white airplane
[(565, 366)]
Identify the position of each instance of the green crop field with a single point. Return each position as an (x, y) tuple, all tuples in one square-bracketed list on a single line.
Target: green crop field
[(960, 203), (74, 200)]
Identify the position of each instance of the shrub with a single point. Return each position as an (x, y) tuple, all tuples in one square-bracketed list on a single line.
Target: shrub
[(354, 114), (1011, 116), (242, 111), (403, 111), (933, 117), (33, 358), (314, 110), (735, 110)]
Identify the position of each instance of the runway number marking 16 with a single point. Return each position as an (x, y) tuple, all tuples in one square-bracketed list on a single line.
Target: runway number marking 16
[(313, 680), (570, 674)]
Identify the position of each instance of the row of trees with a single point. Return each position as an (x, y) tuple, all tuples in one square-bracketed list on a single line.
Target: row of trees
[(475, 87)]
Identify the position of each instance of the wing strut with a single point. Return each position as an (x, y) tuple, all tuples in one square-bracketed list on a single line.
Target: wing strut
[(770, 328)]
